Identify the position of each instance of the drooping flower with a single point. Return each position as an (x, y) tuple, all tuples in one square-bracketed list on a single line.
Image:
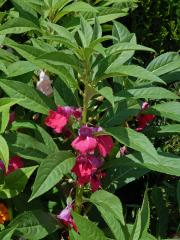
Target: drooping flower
[(144, 119), (87, 142), (66, 218), (85, 167), (59, 119), (44, 84), (14, 163), (86, 170), (4, 214)]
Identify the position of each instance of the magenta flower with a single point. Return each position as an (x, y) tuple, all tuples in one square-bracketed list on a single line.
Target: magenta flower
[(86, 170), (144, 119), (14, 164), (87, 142), (66, 218), (59, 119)]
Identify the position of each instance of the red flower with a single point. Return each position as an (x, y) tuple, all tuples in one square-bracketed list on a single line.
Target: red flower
[(56, 121), (59, 119), (144, 119), (85, 169), (86, 142), (14, 163)]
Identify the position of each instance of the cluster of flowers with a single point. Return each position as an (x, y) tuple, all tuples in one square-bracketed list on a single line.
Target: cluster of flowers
[(90, 147), (4, 214)]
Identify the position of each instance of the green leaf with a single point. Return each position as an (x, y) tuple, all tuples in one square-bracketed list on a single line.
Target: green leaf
[(27, 146), (108, 94), (64, 95), (131, 70), (4, 152), (145, 216), (168, 163), (141, 224), (119, 174), (15, 182), (46, 137), (125, 46), (19, 68), (120, 32), (169, 110), (7, 234), (172, 128), (110, 202), (87, 229), (51, 171), (34, 224), (134, 140), (4, 120), (32, 99), (18, 25), (147, 93), (164, 63), (6, 103)]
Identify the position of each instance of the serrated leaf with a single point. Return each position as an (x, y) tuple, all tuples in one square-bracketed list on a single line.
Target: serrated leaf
[(4, 152), (172, 128), (15, 182), (46, 137), (134, 140), (147, 93), (26, 146), (6, 234), (107, 92), (32, 99), (109, 202), (4, 120), (51, 171), (6, 103), (87, 229), (19, 68), (164, 63), (168, 163), (169, 110), (131, 70), (34, 224), (18, 25)]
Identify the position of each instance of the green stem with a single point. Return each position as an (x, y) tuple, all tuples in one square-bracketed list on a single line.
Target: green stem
[(79, 195)]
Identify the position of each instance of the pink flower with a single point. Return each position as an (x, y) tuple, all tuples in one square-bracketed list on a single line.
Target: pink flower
[(86, 169), (104, 144), (59, 119), (44, 84), (87, 142), (56, 121), (144, 119), (14, 164), (66, 218)]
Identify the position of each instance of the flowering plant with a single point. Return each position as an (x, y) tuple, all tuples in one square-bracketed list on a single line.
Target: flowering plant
[(85, 124)]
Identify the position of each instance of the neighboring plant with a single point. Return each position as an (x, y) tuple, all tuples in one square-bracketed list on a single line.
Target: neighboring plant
[(76, 144)]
